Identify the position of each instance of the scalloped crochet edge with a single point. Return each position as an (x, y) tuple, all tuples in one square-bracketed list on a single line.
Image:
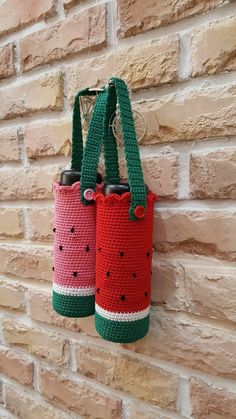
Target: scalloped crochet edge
[(124, 198), (74, 187)]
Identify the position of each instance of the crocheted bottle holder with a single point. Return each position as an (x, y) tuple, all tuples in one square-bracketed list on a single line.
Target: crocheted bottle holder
[(123, 268), (74, 237), (123, 233), (74, 253)]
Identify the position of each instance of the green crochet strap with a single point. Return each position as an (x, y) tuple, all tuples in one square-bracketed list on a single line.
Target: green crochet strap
[(112, 174), (93, 146), (118, 93), (99, 131), (110, 147)]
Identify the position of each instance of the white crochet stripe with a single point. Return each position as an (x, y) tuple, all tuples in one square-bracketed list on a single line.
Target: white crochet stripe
[(122, 317), (81, 291)]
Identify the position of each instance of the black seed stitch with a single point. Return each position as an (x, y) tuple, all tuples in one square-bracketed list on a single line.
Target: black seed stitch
[(148, 254), (87, 248), (54, 230), (53, 268), (122, 297), (146, 293), (60, 248), (108, 274), (121, 254), (75, 273), (98, 290), (134, 275), (72, 230)]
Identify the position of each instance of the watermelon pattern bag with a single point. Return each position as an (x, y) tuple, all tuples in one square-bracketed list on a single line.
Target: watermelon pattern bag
[(74, 234), (124, 227)]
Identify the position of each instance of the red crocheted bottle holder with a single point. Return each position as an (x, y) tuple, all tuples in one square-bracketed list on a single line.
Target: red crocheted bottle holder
[(124, 254)]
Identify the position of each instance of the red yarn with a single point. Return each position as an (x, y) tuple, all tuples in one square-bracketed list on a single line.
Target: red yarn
[(124, 254), (75, 229)]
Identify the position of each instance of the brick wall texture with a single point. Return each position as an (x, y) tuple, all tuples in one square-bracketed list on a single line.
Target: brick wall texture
[(179, 59)]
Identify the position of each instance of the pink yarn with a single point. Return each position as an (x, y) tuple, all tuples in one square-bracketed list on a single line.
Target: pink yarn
[(75, 231)]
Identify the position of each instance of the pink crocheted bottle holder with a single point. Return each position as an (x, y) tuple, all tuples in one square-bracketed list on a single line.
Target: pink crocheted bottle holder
[(74, 252)]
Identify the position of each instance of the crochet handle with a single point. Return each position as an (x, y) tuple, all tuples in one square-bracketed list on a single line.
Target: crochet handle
[(110, 148), (99, 131), (118, 93)]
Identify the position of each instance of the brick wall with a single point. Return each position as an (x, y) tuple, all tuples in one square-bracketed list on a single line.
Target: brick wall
[(179, 59)]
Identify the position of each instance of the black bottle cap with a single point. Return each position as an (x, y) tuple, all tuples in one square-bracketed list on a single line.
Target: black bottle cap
[(118, 188), (68, 177)]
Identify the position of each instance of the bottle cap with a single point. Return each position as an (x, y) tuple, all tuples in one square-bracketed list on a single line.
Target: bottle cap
[(68, 177), (119, 188)]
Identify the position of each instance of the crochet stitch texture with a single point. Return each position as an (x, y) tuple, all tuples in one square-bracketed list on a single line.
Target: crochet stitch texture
[(123, 268), (74, 253)]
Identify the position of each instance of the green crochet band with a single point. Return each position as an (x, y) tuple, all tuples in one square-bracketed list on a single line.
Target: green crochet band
[(73, 306), (100, 132), (121, 332)]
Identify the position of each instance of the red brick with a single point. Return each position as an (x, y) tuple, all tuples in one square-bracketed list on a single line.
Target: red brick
[(197, 114), (37, 341), (26, 262), (11, 223), (27, 405), (40, 223), (31, 183), (213, 47), (206, 180), (50, 139), (15, 14), (211, 401), (79, 397), (9, 145), (79, 33), (16, 366), (198, 232), (195, 343), (44, 94), (160, 174), (142, 66), (151, 384), (137, 16), (12, 295), (6, 61), (178, 284)]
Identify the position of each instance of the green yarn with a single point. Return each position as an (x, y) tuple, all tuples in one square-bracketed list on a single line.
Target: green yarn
[(110, 147), (95, 139), (121, 332), (119, 90), (93, 148), (73, 306), (100, 132)]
